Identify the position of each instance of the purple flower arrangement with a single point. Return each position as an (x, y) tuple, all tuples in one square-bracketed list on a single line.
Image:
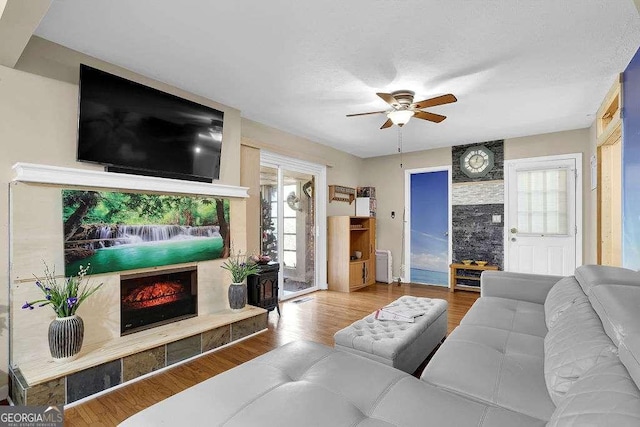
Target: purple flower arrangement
[(240, 267), (64, 296)]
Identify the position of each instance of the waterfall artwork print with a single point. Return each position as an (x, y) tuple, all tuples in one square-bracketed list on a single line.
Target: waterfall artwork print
[(117, 231)]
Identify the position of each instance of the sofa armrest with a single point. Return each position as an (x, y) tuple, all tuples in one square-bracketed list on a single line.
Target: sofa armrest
[(518, 286)]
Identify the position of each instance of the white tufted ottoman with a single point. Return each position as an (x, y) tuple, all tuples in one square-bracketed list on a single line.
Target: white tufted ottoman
[(399, 344)]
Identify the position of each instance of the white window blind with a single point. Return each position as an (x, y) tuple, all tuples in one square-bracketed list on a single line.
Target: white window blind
[(542, 202)]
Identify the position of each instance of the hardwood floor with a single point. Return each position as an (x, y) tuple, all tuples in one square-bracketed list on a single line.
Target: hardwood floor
[(316, 320)]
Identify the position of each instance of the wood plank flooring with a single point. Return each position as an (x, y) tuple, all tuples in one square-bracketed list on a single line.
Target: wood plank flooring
[(316, 320)]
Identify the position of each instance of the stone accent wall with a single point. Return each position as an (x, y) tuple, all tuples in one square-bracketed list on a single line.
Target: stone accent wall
[(475, 236), (478, 193), (475, 201)]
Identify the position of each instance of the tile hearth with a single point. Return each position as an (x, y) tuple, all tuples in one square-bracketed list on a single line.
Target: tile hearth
[(100, 367)]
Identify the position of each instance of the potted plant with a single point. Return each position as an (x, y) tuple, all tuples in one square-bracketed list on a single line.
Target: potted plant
[(240, 267), (66, 331)]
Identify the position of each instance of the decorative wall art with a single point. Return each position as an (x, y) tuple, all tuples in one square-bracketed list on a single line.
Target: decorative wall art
[(124, 231), (631, 165)]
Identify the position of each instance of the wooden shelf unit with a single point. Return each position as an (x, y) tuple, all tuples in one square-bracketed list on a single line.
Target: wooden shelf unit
[(339, 193), (346, 235), (460, 271)]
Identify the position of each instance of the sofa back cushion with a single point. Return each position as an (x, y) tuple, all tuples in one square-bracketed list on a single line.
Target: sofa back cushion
[(574, 344), (605, 395), (561, 296), (591, 276)]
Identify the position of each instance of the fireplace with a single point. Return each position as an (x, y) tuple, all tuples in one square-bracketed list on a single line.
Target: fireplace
[(153, 299)]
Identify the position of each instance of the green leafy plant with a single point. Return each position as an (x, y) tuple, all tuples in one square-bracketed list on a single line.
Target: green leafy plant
[(240, 266), (66, 297)]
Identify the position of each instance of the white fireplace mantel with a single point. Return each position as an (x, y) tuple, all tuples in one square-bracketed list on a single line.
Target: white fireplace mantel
[(29, 172)]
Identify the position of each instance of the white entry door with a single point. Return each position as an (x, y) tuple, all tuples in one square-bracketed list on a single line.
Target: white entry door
[(543, 207)]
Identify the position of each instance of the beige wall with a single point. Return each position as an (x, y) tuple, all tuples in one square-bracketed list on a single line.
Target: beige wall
[(342, 168), (18, 20), (385, 174), (57, 62)]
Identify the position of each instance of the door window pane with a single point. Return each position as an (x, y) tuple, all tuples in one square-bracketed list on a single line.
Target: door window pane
[(542, 202), (290, 225)]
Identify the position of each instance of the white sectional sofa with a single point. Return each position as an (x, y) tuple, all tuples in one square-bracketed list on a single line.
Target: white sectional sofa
[(532, 351)]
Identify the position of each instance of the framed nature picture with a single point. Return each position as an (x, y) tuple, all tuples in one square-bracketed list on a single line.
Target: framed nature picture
[(124, 231)]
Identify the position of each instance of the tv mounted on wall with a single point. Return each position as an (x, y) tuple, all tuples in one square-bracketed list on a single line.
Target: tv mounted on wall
[(132, 128)]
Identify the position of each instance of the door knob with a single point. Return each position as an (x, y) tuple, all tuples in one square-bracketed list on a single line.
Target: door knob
[(514, 230)]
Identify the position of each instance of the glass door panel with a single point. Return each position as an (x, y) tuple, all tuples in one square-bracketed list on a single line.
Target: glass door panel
[(298, 232), (269, 212)]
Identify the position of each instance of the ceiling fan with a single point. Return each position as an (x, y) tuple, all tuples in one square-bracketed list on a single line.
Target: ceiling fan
[(403, 108)]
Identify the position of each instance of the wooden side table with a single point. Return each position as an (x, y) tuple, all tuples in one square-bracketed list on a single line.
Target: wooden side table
[(262, 287), (467, 273)]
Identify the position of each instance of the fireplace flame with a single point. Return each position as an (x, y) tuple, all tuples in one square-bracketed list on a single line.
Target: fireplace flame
[(154, 294)]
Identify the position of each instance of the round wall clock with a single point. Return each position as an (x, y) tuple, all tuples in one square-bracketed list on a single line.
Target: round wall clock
[(477, 161)]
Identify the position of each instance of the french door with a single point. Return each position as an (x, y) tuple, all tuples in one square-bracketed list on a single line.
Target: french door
[(293, 211), (543, 212)]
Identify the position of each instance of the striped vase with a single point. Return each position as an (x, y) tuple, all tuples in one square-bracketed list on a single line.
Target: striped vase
[(65, 337)]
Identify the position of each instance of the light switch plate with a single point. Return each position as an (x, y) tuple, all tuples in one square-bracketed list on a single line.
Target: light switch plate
[(496, 219)]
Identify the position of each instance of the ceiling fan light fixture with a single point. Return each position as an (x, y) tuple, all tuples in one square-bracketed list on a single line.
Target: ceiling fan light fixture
[(400, 117)]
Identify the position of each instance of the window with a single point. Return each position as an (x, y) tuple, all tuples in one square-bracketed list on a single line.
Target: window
[(542, 202)]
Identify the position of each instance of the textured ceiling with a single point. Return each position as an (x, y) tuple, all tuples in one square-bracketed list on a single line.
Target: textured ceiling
[(517, 67)]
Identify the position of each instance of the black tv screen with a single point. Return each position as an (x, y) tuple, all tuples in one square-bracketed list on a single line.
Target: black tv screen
[(137, 129)]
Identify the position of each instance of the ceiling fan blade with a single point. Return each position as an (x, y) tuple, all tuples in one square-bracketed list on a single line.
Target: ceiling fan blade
[(389, 99), (387, 124), (438, 100), (364, 114), (424, 115)]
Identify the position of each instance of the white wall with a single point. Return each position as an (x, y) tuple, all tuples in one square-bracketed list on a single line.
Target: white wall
[(342, 168)]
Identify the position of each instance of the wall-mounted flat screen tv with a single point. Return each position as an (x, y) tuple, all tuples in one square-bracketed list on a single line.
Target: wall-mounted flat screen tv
[(133, 128)]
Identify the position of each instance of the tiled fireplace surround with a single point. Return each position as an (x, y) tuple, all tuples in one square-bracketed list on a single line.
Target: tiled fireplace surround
[(107, 359)]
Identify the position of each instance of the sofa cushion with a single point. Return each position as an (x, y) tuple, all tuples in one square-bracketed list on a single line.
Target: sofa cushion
[(562, 296), (305, 383), (508, 314), (574, 344), (605, 395), (498, 366), (590, 276), (629, 352), (617, 306)]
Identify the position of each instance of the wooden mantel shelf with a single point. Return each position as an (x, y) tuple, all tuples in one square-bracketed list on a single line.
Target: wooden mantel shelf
[(44, 174), (41, 368)]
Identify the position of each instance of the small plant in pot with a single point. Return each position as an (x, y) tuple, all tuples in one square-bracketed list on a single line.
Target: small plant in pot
[(240, 266), (66, 331)]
